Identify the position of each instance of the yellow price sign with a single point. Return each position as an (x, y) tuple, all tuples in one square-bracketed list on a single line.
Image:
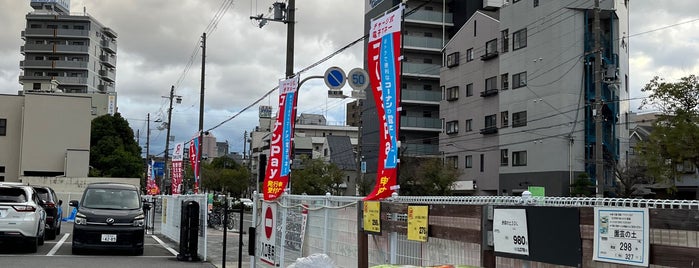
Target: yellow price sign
[(418, 223), (372, 216)]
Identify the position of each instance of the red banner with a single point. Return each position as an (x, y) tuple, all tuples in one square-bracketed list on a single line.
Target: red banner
[(279, 162), (151, 187), (194, 159), (383, 54), (176, 171)]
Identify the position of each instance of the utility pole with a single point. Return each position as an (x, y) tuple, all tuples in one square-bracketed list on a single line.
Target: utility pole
[(599, 139), (148, 137), (201, 108), (166, 174), (290, 17)]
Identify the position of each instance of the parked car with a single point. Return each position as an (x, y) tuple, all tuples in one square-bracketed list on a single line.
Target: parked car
[(247, 202), (21, 216), (109, 216), (54, 212)]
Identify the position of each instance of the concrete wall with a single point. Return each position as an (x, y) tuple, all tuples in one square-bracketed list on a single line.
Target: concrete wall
[(11, 110)]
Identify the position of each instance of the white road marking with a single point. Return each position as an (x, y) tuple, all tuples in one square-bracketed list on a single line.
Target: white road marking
[(174, 252), (58, 245)]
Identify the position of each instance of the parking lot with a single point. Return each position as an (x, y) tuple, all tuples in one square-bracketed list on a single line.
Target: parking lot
[(158, 252)]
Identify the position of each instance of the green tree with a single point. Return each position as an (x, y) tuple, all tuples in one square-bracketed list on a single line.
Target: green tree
[(582, 186), (113, 149), (223, 174), (316, 177), (426, 177), (675, 136)]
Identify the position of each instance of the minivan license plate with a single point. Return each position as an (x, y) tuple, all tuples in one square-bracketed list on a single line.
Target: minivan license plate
[(108, 238)]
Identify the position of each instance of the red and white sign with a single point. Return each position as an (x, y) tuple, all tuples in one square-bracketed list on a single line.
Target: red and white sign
[(177, 157), (269, 239)]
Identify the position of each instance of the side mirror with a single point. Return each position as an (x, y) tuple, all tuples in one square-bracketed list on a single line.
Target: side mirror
[(74, 203), (146, 206), (60, 202)]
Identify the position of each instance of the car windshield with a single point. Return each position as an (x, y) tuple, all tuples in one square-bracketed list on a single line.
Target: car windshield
[(43, 194), (111, 199), (12, 195)]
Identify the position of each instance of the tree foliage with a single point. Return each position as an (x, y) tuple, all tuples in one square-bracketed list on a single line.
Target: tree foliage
[(675, 136), (316, 177), (426, 177), (225, 175), (113, 149)]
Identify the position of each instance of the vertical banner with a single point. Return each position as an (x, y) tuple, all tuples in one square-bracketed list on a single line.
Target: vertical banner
[(193, 158), (383, 54), (622, 236), (151, 186), (176, 171), (279, 162)]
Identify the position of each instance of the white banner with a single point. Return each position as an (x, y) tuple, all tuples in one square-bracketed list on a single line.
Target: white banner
[(622, 236), (178, 152), (510, 233), (269, 233)]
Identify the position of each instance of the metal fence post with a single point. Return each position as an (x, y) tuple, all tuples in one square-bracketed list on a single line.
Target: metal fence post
[(325, 226), (255, 199), (283, 227)]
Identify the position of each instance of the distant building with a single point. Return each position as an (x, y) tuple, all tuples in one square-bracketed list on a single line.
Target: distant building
[(221, 148), (44, 135), (354, 115), (69, 54)]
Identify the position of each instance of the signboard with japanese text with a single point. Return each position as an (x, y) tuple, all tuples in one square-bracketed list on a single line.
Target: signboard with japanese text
[(372, 217), (176, 171), (269, 235), (622, 236), (151, 185), (383, 52), (418, 223), (510, 233), (111, 104), (194, 159), (279, 162), (265, 111)]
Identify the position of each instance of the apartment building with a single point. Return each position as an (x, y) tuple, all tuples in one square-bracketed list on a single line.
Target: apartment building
[(69, 53), (519, 92)]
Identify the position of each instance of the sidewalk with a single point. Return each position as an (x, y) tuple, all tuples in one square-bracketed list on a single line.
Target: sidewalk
[(214, 245)]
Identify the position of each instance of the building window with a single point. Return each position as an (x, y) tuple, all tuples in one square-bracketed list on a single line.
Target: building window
[(469, 54), (428, 34), (426, 113), (482, 163), (626, 120), (491, 84), (519, 80), (490, 121), (453, 93), (35, 26), (504, 157), (536, 3), (504, 81), (626, 82), (426, 87), (403, 85), (469, 161), (36, 86), (468, 125), (3, 129), (519, 119), (475, 27), (491, 47), (452, 161), (453, 59), (504, 117), (505, 36), (428, 61), (453, 127), (519, 158), (469, 90), (519, 39)]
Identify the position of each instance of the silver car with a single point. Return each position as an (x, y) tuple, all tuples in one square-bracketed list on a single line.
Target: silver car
[(21, 216)]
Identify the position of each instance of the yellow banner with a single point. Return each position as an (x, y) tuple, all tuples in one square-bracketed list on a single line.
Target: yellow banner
[(418, 221), (372, 216)]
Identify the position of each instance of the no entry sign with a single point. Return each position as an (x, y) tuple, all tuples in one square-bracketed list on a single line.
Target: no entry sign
[(269, 241)]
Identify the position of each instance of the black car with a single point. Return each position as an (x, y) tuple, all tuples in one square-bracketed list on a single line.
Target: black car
[(109, 216), (54, 212)]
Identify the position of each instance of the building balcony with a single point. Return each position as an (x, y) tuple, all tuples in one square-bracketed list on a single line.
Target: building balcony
[(45, 64), (23, 78), (107, 60), (71, 80), (422, 43), (72, 33), (419, 149), (489, 130), (421, 96), (107, 75), (70, 64), (430, 17), (72, 49), (41, 33), (489, 55), (105, 88), (421, 70), (489, 92), (36, 48), (109, 46), (420, 123), (109, 32)]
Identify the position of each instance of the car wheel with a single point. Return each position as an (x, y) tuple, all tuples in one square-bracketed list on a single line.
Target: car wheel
[(33, 244), (76, 251), (41, 239), (51, 234)]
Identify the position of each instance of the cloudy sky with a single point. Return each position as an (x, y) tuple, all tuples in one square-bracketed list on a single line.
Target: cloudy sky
[(157, 39)]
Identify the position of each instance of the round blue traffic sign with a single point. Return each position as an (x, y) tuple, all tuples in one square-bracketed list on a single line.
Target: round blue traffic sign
[(335, 78)]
